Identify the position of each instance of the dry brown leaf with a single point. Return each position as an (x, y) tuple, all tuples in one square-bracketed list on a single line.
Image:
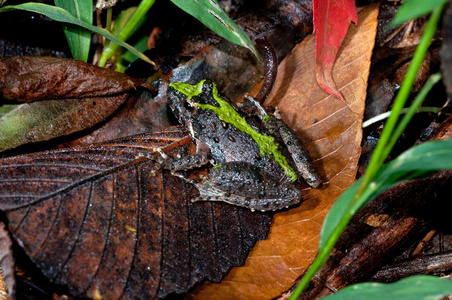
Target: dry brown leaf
[(32, 78), (104, 220), (331, 130)]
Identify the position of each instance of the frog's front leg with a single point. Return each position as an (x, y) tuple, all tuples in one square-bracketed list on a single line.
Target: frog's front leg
[(184, 163), (243, 184)]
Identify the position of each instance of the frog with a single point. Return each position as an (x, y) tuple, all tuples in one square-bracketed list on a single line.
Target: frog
[(257, 160)]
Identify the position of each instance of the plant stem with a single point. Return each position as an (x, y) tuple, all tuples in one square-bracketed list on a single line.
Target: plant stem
[(383, 145), (414, 107), (109, 17), (142, 9)]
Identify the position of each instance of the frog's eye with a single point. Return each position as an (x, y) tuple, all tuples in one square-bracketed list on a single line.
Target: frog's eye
[(189, 104)]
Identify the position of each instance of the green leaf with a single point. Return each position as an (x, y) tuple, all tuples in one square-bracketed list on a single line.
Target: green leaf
[(122, 19), (127, 30), (38, 121), (121, 22), (412, 9), (426, 157), (79, 39), (416, 287), (61, 15), (213, 16), (127, 57)]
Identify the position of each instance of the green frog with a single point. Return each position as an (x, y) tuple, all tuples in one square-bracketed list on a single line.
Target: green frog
[(257, 160)]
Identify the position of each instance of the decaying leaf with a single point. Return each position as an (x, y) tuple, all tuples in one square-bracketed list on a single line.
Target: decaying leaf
[(3, 287), (32, 78), (105, 222), (77, 96), (331, 130), (43, 120)]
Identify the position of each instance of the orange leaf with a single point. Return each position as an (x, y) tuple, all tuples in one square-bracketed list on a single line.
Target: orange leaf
[(331, 130), (331, 22)]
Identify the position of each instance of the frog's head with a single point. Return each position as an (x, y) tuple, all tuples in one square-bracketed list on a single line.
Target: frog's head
[(182, 99)]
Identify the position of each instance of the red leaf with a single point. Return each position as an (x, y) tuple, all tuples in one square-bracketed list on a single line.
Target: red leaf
[(331, 21)]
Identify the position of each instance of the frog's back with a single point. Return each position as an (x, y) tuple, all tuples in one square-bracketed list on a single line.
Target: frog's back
[(226, 142)]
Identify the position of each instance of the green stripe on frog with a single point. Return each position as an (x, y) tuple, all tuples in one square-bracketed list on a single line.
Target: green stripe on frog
[(228, 114)]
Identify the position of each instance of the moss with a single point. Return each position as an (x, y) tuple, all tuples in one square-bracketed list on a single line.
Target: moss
[(188, 90), (225, 112), (216, 166)]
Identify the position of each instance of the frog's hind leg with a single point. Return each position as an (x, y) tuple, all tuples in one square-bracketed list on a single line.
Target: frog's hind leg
[(243, 184), (209, 192)]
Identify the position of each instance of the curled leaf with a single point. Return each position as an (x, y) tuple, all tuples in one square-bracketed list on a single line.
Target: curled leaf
[(44, 120)]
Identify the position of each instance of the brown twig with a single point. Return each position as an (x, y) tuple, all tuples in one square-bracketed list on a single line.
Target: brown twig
[(270, 67)]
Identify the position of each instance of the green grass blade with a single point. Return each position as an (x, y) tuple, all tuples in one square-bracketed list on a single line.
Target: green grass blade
[(434, 79), (122, 19), (382, 147), (412, 9), (411, 288), (79, 39), (61, 15), (127, 30), (213, 16), (127, 57)]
